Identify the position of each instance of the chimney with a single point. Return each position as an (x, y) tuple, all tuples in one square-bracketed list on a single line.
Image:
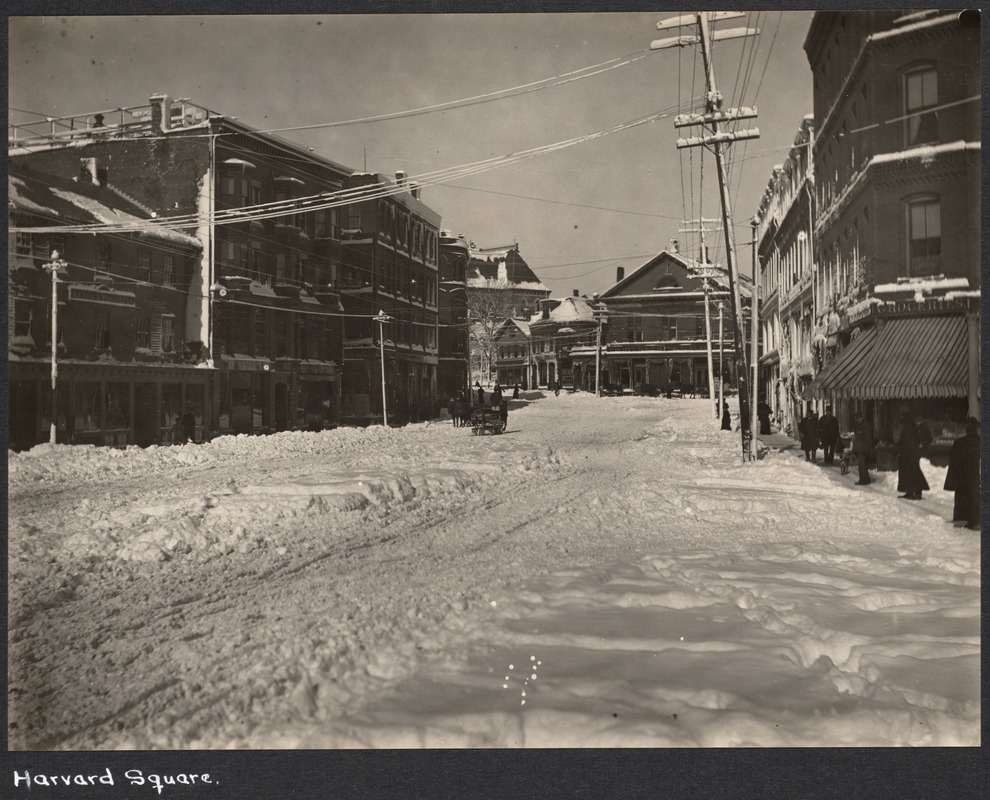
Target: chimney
[(576, 293), (704, 255), (87, 170), (415, 188), (161, 112), (400, 177), (620, 273), (674, 246)]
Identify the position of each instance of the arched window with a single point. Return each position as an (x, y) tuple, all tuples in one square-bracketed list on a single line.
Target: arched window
[(920, 91), (923, 218)]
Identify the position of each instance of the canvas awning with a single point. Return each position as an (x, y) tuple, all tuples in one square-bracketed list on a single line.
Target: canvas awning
[(900, 358)]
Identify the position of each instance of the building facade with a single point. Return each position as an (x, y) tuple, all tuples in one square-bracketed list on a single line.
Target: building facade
[(897, 228), (454, 345), (390, 262), (655, 338), (787, 310), (563, 325), (280, 243), (514, 354), (126, 372)]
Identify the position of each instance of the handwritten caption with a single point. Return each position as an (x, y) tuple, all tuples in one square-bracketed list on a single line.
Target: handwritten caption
[(133, 777)]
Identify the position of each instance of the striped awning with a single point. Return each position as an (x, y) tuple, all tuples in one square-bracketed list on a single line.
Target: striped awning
[(899, 358)]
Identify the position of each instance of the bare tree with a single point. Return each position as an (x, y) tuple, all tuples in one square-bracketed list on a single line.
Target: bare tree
[(489, 305)]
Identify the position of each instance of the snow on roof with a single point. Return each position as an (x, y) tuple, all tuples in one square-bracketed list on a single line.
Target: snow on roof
[(925, 151), (573, 309), (66, 201)]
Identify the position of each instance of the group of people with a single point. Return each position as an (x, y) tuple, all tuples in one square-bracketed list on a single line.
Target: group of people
[(962, 477)]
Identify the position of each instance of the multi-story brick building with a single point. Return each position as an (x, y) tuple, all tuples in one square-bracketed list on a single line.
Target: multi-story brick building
[(390, 253), (453, 368), (266, 307), (897, 229), (785, 235), (514, 354), (126, 371)]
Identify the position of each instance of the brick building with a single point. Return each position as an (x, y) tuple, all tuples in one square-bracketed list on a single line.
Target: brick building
[(897, 228), (453, 342), (126, 370)]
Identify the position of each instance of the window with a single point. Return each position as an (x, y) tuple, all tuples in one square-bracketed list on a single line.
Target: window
[(260, 334), (920, 93), (353, 217), (144, 265), (168, 334), (101, 330), (924, 229), (23, 243), (143, 332), (168, 270), (22, 318)]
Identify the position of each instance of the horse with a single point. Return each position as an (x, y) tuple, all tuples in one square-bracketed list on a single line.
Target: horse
[(460, 412)]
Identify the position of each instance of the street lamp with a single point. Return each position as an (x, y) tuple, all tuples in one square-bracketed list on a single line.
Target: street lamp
[(721, 365), (54, 266), (600, 313), (381, 319)]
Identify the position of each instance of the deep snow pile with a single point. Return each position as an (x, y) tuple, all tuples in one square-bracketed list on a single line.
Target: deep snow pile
[(605, 574)]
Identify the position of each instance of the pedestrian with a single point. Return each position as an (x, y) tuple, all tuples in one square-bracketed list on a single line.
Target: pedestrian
[(914, 438), (726, 417), (481, 393), (763, 413), (503, 413), (497, 395), (556, 389), (189, 426), (515, 392), (828, 435), (963, 477), (862, 446), (808, 431)]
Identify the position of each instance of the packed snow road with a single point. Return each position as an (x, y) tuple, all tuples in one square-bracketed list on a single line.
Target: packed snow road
[(606, 573)]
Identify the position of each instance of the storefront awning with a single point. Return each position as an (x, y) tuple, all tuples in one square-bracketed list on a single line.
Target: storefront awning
[(900, 358)]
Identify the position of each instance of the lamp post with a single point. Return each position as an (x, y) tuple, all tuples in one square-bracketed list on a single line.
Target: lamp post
[(721, 365), (381, 319), (599, 313), (57, 263)]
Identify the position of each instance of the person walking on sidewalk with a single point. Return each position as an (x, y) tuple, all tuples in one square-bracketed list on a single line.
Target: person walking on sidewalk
[(808, 430), (963, 477), (828, 435), (861, 447), (914, 438), (726, 417), (763, 414)]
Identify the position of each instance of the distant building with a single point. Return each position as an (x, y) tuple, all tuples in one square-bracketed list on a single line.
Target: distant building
[(514, 354), (127, 371), (897, 228), (504, 270), (787, 305), (655, 337), (563, 324)]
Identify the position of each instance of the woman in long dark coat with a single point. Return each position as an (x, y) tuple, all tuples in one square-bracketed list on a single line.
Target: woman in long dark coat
[(914, 438), (808, 429), (963, 476), (726, 417)]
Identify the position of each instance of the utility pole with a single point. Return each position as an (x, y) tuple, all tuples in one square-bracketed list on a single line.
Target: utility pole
[(381, 319), (754, 332), (54, 266), (721, 363), (599, 313), (715, 117), (703, 259)]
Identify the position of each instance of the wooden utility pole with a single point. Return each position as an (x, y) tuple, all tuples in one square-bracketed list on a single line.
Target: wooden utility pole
[(54, 266), (703, 259), (715, 117), (754, 333)]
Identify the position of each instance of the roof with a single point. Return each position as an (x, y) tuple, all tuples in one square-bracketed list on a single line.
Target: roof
[(571, 309), (901, 357), (520, 324), (716, 274), (504, 268), (63, 200)]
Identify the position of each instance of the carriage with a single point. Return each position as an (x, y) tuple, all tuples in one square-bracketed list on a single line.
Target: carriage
[(487, 420)]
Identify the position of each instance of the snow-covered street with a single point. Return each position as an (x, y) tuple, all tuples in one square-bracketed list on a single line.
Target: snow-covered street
[(605, 574)]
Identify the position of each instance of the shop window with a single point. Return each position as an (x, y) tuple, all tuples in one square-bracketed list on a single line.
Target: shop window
[(86, 406), (118, 405), (920, 89), (924, 227), (22, 318)]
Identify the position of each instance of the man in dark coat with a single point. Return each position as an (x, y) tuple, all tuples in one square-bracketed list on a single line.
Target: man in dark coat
[(726, 417), (189, 426), (828, 434), (481, 394), (914, 438), (862, 445), (963, 477), (515, 392), (763, 413), (808, 430)]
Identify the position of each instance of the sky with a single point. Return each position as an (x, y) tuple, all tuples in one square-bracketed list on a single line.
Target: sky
[(576, 213)]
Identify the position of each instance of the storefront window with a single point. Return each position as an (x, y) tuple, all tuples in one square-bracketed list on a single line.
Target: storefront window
[(86, 406), (118, 406)]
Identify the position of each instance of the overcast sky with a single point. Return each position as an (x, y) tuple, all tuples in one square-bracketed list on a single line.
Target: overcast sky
[(576, 213)]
